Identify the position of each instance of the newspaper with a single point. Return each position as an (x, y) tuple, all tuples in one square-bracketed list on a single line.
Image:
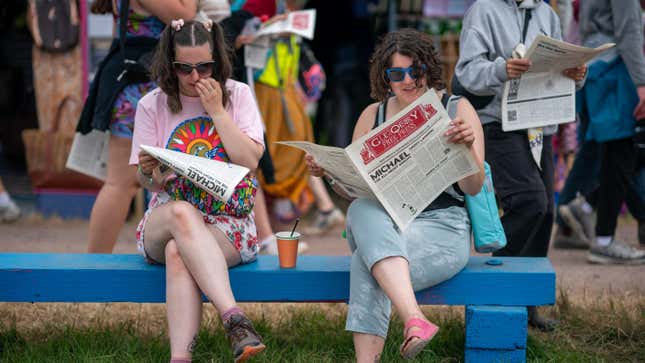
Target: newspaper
[(89, 154), (404, 163), (216, 177), (300, 22), (543, 95), (297, 22)]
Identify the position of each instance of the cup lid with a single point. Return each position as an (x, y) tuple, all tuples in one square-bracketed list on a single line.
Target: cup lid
[(287, 235)]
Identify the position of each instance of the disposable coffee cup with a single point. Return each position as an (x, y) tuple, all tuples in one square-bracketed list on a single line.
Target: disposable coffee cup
[(287, 248)]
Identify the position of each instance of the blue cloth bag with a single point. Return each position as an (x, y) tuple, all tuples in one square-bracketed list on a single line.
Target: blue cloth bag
[(488, 231)]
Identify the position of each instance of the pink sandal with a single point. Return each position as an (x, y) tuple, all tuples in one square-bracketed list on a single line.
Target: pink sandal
[(416, 340)]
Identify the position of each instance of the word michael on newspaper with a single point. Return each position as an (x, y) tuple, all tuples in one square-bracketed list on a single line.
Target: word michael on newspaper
[(404, 163), (215, 177)]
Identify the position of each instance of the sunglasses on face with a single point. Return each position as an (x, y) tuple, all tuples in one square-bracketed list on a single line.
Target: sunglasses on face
[(398, 74), (202, 68)]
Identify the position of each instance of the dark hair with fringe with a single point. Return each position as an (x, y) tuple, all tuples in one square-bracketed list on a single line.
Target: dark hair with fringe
[(408, 42), (192, 34), (101, 7)]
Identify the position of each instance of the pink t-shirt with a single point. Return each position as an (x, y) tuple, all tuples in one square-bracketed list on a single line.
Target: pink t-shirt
[(191, 130)]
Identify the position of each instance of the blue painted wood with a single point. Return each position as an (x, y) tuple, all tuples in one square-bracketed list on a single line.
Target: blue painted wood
[(65, 204), (494, 356), (496, 327), (127, 278), (518, 281)]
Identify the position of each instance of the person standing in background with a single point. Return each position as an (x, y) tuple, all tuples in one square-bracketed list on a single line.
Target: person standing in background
[(112, 102), (613, 99), (521, 161)]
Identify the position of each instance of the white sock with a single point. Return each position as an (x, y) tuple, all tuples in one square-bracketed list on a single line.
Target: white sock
[(603, 241), (4, 198)]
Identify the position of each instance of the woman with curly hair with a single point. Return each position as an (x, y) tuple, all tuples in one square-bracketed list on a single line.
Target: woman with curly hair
[(388, 264), (198, 110)]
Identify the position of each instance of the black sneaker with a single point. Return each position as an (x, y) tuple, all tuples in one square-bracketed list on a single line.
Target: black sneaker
[(245, 341), (568, 241), (641, 232)]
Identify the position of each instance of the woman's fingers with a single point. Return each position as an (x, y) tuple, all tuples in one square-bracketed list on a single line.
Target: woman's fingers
[(461, 132)]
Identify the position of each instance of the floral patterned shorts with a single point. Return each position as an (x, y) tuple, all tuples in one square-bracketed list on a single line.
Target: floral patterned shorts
[(239, 231)]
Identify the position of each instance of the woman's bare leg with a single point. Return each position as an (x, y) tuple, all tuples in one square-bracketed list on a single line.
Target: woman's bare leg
[(183, 304), (113, 201), (323, 200), (184, 299), (368, 347), (393, 275), (262, 222), (206, 252)]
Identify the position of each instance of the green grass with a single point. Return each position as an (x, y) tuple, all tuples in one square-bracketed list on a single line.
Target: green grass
[(609, 332)]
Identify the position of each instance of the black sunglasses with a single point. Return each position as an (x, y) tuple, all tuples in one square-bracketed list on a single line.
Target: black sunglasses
[(202, 68)]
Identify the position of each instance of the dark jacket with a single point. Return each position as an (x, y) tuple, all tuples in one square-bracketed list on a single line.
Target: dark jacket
[(110, 79)]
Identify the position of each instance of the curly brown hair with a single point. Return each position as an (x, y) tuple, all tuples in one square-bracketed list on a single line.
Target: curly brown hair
[(411, 43), (192, 34)]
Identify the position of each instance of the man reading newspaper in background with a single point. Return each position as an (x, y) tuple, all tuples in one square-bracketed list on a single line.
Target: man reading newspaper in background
[(521, 161)]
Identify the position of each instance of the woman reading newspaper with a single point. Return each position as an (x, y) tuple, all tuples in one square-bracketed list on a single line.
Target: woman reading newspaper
[(388, 264), (198, 110)]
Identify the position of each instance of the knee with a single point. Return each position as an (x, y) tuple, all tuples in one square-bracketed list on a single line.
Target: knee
[(183, 214), (174, 262), (364, 210)]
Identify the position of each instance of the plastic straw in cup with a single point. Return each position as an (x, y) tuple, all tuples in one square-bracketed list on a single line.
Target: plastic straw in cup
[(294, 227)]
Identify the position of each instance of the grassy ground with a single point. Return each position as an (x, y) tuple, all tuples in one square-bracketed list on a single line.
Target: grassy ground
[(607, 330)]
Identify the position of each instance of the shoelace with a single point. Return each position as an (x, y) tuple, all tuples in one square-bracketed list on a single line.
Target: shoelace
[(241, 329)]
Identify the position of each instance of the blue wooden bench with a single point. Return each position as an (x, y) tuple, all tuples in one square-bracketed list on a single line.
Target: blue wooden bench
[(495, 296)]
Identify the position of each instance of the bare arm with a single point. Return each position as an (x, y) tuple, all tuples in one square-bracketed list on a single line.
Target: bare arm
[(468, 131), (167, 10), (363, 126), (241, 149)]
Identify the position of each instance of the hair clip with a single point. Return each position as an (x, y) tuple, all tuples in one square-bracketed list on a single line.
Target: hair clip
[(208, 24), (177, 24)]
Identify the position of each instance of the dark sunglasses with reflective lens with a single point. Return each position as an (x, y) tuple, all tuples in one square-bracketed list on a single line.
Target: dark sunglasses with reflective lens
[(398, 74), (203, 68)]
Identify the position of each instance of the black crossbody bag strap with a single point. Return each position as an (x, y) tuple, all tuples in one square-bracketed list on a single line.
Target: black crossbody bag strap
[(527, 18)]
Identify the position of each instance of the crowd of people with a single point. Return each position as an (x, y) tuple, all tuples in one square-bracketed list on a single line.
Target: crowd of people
[(195, 94)]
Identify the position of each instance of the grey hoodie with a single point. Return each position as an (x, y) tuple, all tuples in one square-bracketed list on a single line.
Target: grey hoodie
[(616, 21), (491, 30)]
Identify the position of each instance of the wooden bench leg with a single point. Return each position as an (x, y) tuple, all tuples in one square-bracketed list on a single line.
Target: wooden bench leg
[(495, 334)]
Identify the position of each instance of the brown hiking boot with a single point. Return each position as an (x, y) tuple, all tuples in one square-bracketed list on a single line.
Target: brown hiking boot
[(245, 341)]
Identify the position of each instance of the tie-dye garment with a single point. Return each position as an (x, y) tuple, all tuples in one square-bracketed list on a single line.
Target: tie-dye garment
[(139, 25), (198, 136)]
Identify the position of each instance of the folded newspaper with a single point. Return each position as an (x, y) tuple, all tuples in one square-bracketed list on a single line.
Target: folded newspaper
[(404, 163), (300, 23), (215, 177), (543, 95), (89, 154)]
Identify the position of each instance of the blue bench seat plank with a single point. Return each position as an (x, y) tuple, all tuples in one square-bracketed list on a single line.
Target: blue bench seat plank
[(44, 277)]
